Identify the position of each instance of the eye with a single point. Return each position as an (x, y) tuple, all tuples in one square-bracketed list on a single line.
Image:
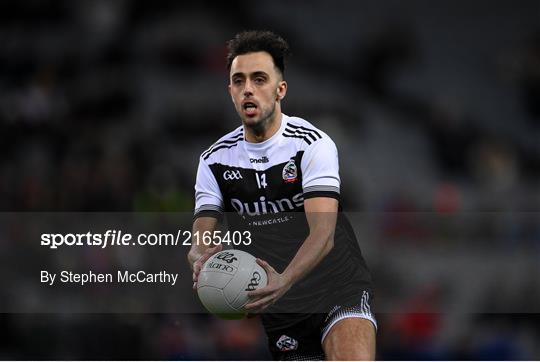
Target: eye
[(237, 81), (260, 80)]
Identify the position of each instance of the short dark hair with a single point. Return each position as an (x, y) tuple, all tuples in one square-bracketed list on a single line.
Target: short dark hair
[(256, 41)]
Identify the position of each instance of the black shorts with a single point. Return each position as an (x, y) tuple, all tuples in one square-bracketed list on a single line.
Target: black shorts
[(303, 340)]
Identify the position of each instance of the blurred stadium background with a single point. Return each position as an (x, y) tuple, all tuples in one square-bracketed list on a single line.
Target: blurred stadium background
[(105, 105)]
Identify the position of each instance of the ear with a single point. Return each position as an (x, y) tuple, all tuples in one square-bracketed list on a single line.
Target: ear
[(281, 90)]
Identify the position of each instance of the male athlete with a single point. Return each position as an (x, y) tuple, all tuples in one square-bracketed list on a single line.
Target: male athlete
[(277, 176)]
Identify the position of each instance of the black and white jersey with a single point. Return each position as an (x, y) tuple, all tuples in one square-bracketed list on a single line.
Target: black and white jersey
[(261, 187)]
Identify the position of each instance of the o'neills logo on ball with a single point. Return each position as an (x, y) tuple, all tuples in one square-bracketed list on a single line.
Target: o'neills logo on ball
[(221, 267), (226, 257), (290, 172)]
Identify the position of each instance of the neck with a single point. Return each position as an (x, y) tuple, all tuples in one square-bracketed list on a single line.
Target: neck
[(264, 130)]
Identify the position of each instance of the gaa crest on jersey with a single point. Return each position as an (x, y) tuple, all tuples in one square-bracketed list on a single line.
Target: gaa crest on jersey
[(290, 172), (286, 343), (230, 175)]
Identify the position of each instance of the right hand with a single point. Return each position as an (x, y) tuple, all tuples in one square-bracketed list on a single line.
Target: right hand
[(199, 262)]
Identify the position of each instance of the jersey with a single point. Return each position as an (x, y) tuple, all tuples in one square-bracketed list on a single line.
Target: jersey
[(261, 187)]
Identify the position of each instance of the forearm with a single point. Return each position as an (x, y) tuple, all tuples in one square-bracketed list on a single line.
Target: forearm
[(200, 225), (311, 253), (321, 215)]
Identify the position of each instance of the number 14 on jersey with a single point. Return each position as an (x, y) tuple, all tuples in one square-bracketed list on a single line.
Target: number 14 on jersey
[(261, 180)]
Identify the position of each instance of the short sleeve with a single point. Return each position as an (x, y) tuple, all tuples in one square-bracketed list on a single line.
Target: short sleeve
[(320, 170), (208, 198)]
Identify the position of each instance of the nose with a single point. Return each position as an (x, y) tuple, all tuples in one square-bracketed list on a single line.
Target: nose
[(248, 89)]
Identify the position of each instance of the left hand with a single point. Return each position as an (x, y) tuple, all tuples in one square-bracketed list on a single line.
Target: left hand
[(262, 298)]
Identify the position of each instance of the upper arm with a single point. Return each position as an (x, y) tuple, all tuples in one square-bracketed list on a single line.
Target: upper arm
[(208, 206), (208, 197), (320, 170), (321, 205), (321, 214), (321, 186)]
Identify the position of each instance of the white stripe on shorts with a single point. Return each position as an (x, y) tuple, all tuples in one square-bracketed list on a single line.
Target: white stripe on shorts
[(361, 311)]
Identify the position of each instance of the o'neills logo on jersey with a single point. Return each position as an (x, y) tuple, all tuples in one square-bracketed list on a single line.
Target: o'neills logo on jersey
[(290, 172), (263, 159), (264, 206)]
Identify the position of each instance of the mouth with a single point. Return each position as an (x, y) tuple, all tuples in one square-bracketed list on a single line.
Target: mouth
[(249, 108)]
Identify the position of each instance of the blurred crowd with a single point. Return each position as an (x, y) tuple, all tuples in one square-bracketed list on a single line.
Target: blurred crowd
[(106, 105)]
